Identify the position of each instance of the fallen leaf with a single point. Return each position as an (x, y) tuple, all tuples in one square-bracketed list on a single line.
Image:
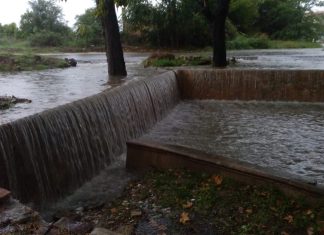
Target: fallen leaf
[(264, 194), (310, 231), (249, 211), (273, 209), (113, 210), (218, 180), (184, 218), (135, 213), (284, 233), (289, 219), (309, 212), (187, 205)]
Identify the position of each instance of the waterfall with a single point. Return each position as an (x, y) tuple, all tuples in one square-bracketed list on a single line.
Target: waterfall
[(47, 155), (268, 85)]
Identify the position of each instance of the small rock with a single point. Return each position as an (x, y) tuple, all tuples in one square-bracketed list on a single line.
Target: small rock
[(125, 230), (73, 226), (103, 231), (135, 213)]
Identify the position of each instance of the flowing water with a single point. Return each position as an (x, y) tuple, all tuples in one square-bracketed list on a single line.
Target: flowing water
[(284, 136), (51, 88), (46, 155), (48, 89), (280, 59), (79, 139)]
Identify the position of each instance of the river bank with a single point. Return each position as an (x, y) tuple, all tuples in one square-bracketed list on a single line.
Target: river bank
[(29, 62)]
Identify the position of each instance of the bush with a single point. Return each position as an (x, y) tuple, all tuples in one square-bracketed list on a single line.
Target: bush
[(243, 42), (45, 38)]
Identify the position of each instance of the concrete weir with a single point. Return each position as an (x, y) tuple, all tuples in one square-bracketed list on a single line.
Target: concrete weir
[(243, 85), (47, 155)]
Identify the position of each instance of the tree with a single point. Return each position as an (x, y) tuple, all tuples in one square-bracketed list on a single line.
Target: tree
[(114, 51), (88, 29), (44, 24), (166, 24), (243, 14), (8, 30), (289, 19), (216, 12)]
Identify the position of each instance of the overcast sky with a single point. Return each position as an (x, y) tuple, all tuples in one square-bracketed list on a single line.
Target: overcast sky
[(11, 10)]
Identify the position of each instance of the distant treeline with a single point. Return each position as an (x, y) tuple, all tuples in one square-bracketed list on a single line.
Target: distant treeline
[(181, 23), (43, 26), (172, 24)]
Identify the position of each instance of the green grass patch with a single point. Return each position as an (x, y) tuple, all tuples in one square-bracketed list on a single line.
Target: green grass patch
[(198, 202), (263, 42), (28, 62), (170, 60)]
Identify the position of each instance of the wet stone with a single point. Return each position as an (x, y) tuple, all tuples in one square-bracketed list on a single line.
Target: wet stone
[(16, 218), (135, 213), (72, 226), (4, 195), (103, 231)]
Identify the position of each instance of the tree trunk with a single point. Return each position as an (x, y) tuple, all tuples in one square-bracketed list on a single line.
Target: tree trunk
[(114, 51), (219, 38)]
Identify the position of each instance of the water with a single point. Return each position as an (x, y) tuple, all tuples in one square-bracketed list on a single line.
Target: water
[(280, 59), (286, 137), (47, 155), (51, 88)]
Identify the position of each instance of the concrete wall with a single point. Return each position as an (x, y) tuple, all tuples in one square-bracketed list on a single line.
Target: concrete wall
[(268, 85)]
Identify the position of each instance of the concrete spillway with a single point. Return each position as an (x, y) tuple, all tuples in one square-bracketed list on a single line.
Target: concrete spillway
[(47, 155)]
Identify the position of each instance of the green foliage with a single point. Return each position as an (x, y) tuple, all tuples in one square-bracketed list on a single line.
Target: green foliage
[(243, 14), (180, 23), (172, 61), (45, 39), (88, 29), (44, 17), (8, 31), (289, 20), (170, 23), (243, 42), (27, 62)]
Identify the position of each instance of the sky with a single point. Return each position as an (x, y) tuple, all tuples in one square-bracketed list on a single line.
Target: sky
[(11, 10)]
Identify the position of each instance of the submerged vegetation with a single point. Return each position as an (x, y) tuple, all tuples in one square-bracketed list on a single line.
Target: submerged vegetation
[(184, 202), (28, 62), (170, 60)]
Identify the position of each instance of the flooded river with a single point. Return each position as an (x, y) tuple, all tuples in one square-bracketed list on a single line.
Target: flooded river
[(51, 88), (290, 141)]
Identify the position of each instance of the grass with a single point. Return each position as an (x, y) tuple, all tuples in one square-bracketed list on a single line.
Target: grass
[(28, 62), (177, 61), (263, 42), (199, 203)]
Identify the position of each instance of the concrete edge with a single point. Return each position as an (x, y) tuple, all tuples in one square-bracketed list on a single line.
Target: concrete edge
[(145, 155)]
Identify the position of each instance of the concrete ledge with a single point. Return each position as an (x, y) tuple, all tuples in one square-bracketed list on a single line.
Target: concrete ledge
[(252, 84), (142, 156)]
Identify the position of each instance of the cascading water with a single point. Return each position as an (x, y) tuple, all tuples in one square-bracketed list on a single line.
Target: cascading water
[(266, 85), (44, 156), (47, 155)]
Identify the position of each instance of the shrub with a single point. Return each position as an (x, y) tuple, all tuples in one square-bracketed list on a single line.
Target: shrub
[(243, 42), (45, 38)]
